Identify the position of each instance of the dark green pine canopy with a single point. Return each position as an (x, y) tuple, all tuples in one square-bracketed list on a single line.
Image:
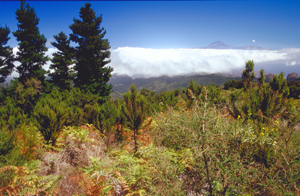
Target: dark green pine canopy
[(92, 53), (32, 47), (62, 74), (6, 55)]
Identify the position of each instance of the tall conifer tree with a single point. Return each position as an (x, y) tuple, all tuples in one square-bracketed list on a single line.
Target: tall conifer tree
[(32, 47), (92, 53), (62, 75), (6, 55)]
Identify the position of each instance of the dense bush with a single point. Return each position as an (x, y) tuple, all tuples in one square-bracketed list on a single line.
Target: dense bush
[(7, 145), (11, 116), (230, 157), (238, 84), (51, 116), (27, 94), (294, 88), (168, 99)]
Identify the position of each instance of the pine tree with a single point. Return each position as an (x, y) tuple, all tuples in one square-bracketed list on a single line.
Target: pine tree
[(135, 111), (92, 53), (32, 47), (62, 75), (6, 55)]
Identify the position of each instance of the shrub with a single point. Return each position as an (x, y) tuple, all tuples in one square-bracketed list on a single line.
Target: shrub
[(11, 116), (153, 99), (78, 100), (27, 95), (7, 145), (106, 118), (230, 157), (238, 84), (51, 116), (168, 99), (214, 95)]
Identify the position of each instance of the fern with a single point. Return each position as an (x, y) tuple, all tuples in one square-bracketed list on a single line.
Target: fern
[(26, 181)]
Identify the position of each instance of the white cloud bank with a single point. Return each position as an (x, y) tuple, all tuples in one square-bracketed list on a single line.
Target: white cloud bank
[(142, 62)]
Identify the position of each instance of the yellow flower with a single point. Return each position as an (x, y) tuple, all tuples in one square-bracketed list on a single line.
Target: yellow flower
[(238, 117), (262, 134)]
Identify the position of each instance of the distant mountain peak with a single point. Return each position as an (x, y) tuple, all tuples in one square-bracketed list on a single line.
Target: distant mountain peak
[(222, 45), (292, 77), (219, 45)]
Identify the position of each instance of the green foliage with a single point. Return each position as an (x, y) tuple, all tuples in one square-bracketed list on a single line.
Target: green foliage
[(214, 95), (192, 93), (26, 95), (91, 54), (167, 169), (294, 92), (6, 55), (30, 140), (63, 74), (76, 133), (260, 103), (153, 99), (105, 116), (135, 112), (19, 145), (19, 136), (7, 145), (238, 84), (11, 116), (32, 47), (195, 94), (26, 181), (126, 175), (229, 158), (165, 83), (278, 83), (248, 74), (51, 116), (168, 99), (77, 103), (153, 172), (233, 105), (200, 151), (162, 101), (262, 78)]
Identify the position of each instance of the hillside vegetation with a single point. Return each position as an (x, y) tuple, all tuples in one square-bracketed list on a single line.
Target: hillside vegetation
[(201, 140), (64, 134)]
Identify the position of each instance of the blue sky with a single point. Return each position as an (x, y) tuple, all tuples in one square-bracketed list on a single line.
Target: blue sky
[(173, 24), (158, 31)]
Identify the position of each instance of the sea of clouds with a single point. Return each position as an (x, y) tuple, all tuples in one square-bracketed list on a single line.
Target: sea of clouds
[(145, 62)]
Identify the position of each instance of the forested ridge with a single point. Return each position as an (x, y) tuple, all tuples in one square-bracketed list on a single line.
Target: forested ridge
[(62, 133)]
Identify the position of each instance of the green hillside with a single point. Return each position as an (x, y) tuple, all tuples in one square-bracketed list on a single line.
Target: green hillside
[(121, 83)]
